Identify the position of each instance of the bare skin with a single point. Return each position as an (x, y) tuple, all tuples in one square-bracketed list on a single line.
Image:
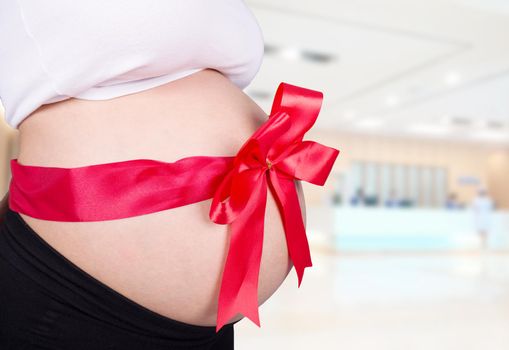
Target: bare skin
[(170, 261)]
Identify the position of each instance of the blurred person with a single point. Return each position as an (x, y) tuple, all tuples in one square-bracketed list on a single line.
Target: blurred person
[(452, 201), (336, 198), (406, 203), (482, 206), (392, 201), (359, 198), (371, 201)]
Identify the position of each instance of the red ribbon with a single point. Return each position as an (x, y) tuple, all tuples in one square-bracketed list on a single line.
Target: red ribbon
[(275, 156)]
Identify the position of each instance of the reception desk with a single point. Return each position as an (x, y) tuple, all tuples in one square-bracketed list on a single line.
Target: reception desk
[(374, 228)]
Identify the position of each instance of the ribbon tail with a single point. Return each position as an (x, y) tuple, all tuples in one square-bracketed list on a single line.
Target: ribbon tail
[(296, 239), (239, 287)]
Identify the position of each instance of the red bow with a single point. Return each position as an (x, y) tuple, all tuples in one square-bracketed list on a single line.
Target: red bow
[(274, 155)]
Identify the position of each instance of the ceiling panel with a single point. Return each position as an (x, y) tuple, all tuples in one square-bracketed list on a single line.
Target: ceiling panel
[(401, 65)]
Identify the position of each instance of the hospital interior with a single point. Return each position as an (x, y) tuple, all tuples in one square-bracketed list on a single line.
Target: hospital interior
[(409, 236)]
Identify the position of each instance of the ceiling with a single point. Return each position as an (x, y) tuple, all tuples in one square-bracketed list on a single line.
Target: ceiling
[(435, 68)]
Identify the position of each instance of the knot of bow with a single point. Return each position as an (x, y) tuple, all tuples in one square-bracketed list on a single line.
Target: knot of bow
[(275, 156)]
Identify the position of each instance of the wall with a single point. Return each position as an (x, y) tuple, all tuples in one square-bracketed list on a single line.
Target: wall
[(488, 163), (8, 143), (498, 174)]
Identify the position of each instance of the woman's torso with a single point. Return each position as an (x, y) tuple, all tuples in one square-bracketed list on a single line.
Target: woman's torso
[(169, 261)]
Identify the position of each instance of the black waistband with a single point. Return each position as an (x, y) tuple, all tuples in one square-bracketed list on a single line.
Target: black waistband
[(34, 257)]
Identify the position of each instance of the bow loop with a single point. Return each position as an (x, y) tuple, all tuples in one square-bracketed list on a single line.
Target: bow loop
[(303, 105), (260, 145), (309, 161)]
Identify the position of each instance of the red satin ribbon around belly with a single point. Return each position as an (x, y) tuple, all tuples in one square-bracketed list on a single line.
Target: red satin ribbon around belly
[(274, 156)]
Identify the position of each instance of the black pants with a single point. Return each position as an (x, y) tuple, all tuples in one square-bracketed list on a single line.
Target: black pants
[(47, 302)]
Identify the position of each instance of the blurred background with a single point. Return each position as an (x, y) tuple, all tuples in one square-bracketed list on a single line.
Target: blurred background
[(410, 235)]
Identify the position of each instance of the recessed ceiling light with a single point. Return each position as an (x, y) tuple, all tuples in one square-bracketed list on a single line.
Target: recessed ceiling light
[(452, 78), (369, 123), (391, 100), (269, 49), (290, 53), (349, 115), (494, 124), (460, 121), (319, 57)]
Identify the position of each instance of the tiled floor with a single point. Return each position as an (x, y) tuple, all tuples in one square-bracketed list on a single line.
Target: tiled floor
[(388, 302)]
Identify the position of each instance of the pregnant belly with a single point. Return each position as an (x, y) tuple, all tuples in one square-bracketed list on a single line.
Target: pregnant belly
[(170, 261)]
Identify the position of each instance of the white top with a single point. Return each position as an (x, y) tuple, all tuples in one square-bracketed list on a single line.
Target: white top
[(52, 50)]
